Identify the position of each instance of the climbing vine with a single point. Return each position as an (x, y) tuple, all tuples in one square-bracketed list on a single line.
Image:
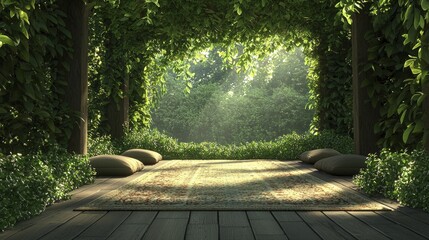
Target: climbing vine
[(165, 33), (398, 66), (135, 43), (33, 40)]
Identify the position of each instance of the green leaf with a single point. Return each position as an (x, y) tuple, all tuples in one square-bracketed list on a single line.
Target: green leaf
[(23, 16), (24, 31), (425, 4), (29, 91), (408, 14), (416, 18), (44, 114), (404, 113), (419, 127), (6, 40), (407, 133), (421, 99)]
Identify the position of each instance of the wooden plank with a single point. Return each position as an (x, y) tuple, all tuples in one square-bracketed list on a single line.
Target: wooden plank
[(287, 216), (202, 231), (48, 221), (233, 219), (271, 237), (75, 226), (323, 226), (54, 211), (387, 227), (408, 222), (294, 227), (138, 217), (106, 225), (173, 214), (167, 229), (263, 223), (134, 227), (236, 233), (34, 232), (355, 227), (298, 231), (203, 217), (234, 225), (61, 212), (203, 225), (417, 214)]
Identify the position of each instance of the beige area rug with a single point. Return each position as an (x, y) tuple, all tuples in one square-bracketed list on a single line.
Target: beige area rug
[(231, 185)]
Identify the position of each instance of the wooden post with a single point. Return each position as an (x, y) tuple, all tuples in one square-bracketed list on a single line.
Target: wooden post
[(77, 92), (426, 117), (116, 71), (118, 117), (365, 115)]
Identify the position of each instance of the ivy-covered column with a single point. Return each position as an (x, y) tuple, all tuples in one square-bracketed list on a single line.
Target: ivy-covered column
[(425, 82), (118, 110), (77, 77), (426, 117), (365, 116), (117, 77)]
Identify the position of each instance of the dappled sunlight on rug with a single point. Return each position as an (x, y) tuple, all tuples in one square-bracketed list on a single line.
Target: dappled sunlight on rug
[(231, 185)]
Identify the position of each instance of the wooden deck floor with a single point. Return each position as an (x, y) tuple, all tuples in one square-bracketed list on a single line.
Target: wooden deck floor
[(60, 222)]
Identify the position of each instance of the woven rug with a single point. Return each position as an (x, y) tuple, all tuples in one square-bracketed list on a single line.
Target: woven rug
[(231, 185)]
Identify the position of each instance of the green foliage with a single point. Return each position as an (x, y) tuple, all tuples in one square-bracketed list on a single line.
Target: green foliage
[(139, 40), (28, 183), (229, 107), (33, 40), (286, 147), (100, 145), (382, 171), (400, 176), (398, 67)]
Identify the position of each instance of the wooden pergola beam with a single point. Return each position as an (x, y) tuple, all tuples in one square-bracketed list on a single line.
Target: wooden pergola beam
[(365, 116), (77, 93)]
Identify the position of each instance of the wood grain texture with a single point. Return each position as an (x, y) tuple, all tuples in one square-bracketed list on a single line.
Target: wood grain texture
[(324, 227), (387, 227), (355, 227), (106, 225), (61, 222)]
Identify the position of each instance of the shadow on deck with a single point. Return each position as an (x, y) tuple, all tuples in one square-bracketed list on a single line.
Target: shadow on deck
[(61, 222)]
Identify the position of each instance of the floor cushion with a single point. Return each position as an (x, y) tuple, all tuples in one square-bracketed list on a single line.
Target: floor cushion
[(147, 157), (115, 165), (342, 165), (315, 155)]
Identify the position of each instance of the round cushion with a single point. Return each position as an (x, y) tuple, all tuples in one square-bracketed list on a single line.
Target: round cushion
[(342, 165), (147, 157), (115, 165), (315, 155)]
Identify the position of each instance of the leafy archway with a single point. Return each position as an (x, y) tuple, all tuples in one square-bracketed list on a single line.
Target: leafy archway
[(134, 41), (166, 32)]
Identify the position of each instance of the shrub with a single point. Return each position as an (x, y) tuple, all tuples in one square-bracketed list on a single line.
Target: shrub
[(412, 187), (28, 183), (98, 145), (286, 147), (401, 176), (381, 172)]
